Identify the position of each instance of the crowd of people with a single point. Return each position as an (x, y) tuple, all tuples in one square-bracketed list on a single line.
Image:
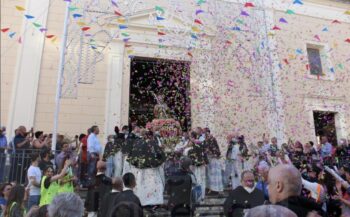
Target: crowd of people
[(132, 172)]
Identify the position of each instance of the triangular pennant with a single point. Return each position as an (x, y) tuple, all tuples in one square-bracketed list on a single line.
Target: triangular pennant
[(11, 34), (198, 21), (299, 2), (117, 13), (29, 16), (282, 20), (77, 15), (85, 28), (158, 8), (289, 11), (19, 8), (5, 29), (37, 25), (248, 4)]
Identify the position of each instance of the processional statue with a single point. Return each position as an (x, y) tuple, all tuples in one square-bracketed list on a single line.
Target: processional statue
[(165, 125)]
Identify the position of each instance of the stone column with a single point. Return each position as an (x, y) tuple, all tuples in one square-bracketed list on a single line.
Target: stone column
[(114, 88), (27, 73)]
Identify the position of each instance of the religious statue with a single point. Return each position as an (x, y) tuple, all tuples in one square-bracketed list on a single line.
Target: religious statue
[(165, 125), (161, 110)]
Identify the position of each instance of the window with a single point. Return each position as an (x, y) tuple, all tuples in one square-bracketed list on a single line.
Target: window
[(315, 63)]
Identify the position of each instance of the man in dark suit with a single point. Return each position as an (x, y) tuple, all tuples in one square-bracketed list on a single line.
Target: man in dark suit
[(243, 197), (108, 201), (127, 201), (96, 191), (179, 189)]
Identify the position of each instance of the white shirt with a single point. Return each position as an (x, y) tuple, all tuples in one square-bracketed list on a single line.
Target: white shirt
[(235, 152), (93, 144), (34, 172)]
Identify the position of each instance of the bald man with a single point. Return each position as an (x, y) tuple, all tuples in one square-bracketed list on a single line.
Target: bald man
[(270, 211), (285, 186), (108, 201)]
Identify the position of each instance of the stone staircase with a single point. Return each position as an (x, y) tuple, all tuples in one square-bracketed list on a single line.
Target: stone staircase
[(212, 206)]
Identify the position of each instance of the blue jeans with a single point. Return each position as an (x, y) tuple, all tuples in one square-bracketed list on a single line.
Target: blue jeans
[(33, 200), (110, 166)]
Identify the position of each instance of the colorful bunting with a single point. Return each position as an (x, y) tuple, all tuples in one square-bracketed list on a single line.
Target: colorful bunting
[(289, 11), (123, 26), (37, 25), (276, 28), (160, 9), (11, 34), (114, 3), (199, 11), (317, 37), (198, 22), (77, 15), (19, 8), (84, 29), (299, 2), (72, 8), (29, 17), (244, 13), (117, 13), (5, 29), (282, 20), (248, 4)]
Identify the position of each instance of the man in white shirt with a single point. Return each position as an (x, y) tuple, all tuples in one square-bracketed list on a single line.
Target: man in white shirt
[(34, 178), (94, 150)]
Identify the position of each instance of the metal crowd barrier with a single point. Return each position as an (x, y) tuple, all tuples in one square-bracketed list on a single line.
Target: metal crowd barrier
[(14, 166)]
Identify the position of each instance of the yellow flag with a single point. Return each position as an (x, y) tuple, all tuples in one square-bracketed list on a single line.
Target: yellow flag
[(347, 12), (19, 8), (81, 23), (121, 20), (195, 29)]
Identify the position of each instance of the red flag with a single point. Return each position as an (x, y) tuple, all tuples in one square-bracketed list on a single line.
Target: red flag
[(276, 28), (347, 40), (127, 45), (5, 29), (85, 28), (249, 4), (117, 13), (49, 36), (336, 21), (161, 33), (198, 21), (286, 61)]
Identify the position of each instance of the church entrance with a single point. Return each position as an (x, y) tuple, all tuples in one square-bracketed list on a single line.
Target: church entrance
[(325, 125), (152, 77)]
